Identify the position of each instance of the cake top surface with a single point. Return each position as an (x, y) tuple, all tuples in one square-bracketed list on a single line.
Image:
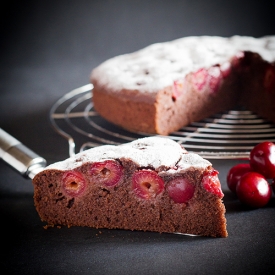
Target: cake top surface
[(159, 65), (147, 152)]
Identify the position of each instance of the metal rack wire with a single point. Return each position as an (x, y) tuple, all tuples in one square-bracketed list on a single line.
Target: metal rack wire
[(228, 135)]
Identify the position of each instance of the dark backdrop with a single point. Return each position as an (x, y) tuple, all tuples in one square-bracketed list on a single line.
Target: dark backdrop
[(49, 48)]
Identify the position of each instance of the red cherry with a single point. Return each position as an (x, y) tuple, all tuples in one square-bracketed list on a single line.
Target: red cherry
[(180, 190), (147, 184), (262, 159), (253, 190), (225, 69), (215, 77), (237, 60), (211, 183), (73, 183), (235, 173), (108, 172), (199, 79)]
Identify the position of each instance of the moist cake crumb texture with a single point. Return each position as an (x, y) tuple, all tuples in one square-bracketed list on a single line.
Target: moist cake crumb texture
[(150, 184)]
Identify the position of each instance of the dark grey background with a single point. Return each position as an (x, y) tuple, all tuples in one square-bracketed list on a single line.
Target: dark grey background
[(49, 48)]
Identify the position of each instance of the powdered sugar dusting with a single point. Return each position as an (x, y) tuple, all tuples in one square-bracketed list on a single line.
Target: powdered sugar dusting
[(146, 152), (159, 65)]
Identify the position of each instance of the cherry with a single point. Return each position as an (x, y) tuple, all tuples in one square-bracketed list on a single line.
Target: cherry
[(73, 183), (215, 77), (225, 69), (262, 159), (180, 190), (237, 60), (199, 78), (108, 172), (253, 190), (235, 173), (147, 184), (207, 79), (211, 183)]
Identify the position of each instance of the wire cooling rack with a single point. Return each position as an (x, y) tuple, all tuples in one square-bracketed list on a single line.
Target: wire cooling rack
[(227, 135)]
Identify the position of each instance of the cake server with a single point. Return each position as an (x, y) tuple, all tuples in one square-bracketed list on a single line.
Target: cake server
[(20, 157)]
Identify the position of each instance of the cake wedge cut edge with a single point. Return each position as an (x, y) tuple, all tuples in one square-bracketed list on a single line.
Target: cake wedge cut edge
[(149, 184)]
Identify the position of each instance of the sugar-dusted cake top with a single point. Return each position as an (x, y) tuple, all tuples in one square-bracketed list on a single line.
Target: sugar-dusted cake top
[(158, 65), (147, 152)]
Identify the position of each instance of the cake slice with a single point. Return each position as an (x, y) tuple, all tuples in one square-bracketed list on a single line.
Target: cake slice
[(149, 184)]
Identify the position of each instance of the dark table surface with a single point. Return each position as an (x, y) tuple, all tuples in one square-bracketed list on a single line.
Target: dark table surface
[(49, 48)]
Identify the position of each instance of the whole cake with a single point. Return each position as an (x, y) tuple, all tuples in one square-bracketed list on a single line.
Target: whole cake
[(150, 184), (166, 86)]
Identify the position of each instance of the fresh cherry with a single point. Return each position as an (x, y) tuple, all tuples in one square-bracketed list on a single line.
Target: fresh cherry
[(253, 190), (73, 183), (235, 173), (108, 172), (262, 159), (211, 183), (180, 190), (147, 184)]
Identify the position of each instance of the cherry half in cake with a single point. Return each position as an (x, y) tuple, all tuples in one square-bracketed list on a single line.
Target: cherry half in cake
[(150, 184)]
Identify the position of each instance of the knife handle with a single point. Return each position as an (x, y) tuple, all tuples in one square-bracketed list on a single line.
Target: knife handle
[(18, 156)]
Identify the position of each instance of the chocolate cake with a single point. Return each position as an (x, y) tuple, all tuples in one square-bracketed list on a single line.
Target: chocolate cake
[(166, 86), (150, 184)]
